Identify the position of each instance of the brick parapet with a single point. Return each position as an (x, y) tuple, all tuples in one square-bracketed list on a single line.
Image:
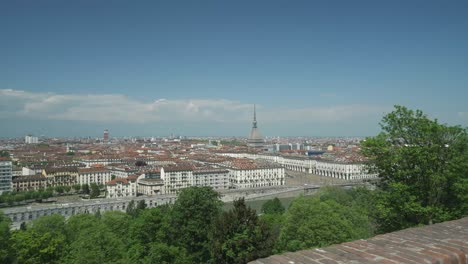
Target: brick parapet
[(443, 243)]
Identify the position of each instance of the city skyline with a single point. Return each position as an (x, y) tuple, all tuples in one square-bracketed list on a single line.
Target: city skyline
[(153, 69)]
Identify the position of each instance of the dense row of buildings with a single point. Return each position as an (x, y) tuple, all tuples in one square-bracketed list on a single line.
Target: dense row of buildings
[(340, 170), (165, 166), (171, 179), (123, 181)]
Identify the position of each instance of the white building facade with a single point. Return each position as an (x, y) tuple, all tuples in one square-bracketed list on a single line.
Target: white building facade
[(5, 175), (258, 177), (93, 175), (31, 140), (345, 171), (122, 187)]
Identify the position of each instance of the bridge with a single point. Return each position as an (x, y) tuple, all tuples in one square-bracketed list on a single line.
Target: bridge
[(23, 214)]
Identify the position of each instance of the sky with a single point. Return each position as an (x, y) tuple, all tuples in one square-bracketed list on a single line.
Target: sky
[(195, 68)]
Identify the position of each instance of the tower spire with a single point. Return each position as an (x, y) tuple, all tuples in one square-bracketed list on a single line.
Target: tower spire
[(255, 118)]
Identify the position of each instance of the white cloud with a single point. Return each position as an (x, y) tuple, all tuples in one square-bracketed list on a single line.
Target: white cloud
[(120, 108)]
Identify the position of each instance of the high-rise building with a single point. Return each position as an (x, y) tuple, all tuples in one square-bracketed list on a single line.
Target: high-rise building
[(106, 135), (6, 174), (29, 139), (255, 138)]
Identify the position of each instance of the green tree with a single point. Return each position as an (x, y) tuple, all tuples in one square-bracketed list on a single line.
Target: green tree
[(118, 223), (5, 253), (54, 224), (95, 244), (239, 236), (78, 223), (67, 188), (421, 164), (141, 205), (165, 254), (131, 209), (19, 197), (273, 206), (94, 190), (43, 242), (192, 217), (59, 189), (149, 227), (76, 187), (4, 154), (311, 222), (85, 188)]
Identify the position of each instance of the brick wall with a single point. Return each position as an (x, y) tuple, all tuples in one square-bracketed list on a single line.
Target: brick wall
[(440, 243)]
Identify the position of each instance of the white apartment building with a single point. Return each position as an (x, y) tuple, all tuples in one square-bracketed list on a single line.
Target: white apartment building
[(297, 164), (5, 174), (29, 183), (149, 186), (122, 187), (31, 140), (64, 176), (253, 175), (121, 171), (93, 175), (346, 171), (103, 162), (176, 178), (216, 178)]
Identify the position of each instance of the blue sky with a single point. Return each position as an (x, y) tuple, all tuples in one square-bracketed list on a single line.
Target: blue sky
[(314, 68)]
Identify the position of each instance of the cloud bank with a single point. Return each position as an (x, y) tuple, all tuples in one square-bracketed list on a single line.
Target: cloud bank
[(120, 108)]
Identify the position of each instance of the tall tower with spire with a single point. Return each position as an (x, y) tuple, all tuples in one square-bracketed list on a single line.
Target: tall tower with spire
[(255, 138)]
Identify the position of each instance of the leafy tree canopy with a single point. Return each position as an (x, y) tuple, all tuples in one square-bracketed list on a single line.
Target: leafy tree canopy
[(239, 236), (422, 164), (192, 217), (311, 222), (273, 206)]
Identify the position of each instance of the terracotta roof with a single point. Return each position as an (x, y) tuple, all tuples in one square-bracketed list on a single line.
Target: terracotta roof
[(37, 177), (118, 180), (133, 177), (62, 169), (94, 169)]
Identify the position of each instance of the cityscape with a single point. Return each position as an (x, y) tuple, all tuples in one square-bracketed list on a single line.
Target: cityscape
[(132, 167), (233, 132)]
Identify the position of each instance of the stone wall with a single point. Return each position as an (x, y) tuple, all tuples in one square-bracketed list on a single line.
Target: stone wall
[(440, 243)]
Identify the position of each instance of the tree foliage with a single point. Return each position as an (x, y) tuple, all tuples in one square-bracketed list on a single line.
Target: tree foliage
[(5, 256), (43, 242), (85, 188), (192, 218), (423, 170), (312, 222), (94, 190), (193, 230), (239, 236), (273, 206)]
